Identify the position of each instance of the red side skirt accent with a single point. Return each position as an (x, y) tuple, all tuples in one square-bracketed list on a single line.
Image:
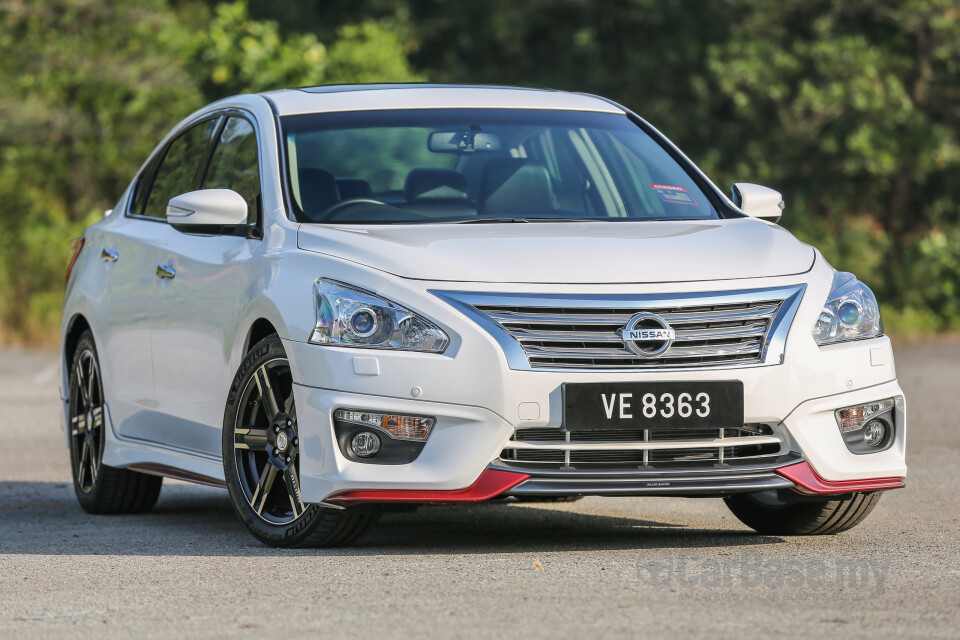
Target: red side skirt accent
[(807, 481), (491, 483)]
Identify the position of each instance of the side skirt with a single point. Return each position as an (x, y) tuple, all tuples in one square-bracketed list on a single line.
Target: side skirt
[(177, 474)]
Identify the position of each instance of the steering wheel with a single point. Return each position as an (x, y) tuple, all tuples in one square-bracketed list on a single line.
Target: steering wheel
[(329, 213)]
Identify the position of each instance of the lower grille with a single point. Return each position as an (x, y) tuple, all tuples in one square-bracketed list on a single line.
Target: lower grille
[(549, 448)]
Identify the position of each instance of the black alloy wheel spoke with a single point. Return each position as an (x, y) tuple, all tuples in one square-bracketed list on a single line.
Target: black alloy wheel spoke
[(262, 492), (83, 466), (253, 438), (97, 414), (90, 381), (271, 404), (79, 425), (94, 466), (82, 384), (290, 409)]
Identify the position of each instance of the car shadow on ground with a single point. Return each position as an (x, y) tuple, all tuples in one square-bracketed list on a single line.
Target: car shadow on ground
[(44, 518)]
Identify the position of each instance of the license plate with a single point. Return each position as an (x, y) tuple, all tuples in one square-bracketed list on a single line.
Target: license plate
[(605, 406)]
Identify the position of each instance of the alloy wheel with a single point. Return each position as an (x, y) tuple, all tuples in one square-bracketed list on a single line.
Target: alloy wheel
[(266, 444), (86, 420)]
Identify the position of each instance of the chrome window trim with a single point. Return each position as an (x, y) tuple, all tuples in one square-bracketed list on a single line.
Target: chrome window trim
[(773, 353)]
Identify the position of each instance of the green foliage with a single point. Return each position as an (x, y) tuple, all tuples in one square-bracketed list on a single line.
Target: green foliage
[(851, 109), (89, 88), (856, 105), (236, 54)]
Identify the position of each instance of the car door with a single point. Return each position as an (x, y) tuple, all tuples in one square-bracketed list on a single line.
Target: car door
[(128, 253), (195, 308), (132, 252)]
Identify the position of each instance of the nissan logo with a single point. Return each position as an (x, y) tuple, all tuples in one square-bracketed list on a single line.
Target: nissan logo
[(647, 335)]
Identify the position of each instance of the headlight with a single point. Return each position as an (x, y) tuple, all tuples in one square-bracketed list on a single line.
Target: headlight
[(850, 313), (351, 317)]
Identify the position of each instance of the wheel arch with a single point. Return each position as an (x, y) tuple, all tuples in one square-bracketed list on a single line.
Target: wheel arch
[(260, 329), (77, 325), (258, 320)]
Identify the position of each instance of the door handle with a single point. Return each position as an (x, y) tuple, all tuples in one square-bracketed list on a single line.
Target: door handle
[(166, 271), (108, 255)]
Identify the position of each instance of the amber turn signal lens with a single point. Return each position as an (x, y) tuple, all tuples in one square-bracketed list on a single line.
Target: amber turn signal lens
[(398, 426)]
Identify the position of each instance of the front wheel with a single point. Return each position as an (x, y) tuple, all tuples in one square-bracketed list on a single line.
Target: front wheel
[(771, 516), (261, 459)]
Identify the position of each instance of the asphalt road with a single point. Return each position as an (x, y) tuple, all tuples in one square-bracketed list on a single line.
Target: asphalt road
[(601, 567)]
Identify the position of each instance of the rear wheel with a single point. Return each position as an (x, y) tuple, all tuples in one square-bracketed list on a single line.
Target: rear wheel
[(771, 516), (261, 459), (99, 488)]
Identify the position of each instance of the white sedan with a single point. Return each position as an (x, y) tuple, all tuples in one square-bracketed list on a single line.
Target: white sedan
[(335, 300)]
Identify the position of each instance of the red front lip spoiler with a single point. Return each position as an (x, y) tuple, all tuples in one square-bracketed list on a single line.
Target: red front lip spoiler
[(493, 482), (807, 481), (490, 484)]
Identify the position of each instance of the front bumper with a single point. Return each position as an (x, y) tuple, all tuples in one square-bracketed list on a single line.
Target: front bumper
[(470, 434)]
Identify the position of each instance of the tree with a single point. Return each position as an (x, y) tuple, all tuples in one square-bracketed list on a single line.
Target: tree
[(852, 109), (89, 88)]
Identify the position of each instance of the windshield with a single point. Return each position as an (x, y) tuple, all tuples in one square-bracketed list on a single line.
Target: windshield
[(482, 165)]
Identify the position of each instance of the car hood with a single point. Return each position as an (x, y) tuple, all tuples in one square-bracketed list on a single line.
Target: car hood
[(567, 252)]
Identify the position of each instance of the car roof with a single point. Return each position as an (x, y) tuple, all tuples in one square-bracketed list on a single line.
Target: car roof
[(375, 97)]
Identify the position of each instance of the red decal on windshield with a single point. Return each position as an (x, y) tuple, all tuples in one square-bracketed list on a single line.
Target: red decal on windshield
[(674, 194)]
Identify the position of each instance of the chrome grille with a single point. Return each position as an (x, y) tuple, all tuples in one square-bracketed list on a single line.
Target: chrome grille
[(564, 332), (569, 337), (650, 448)]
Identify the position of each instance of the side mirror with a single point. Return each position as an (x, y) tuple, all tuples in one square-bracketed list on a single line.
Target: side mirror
[(208, 211), (758, 201)]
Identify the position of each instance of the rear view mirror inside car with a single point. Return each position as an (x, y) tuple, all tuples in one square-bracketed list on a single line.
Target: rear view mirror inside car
[(462, 142)]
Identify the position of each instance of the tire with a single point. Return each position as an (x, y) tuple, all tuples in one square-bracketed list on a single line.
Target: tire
[(802, 518), (99, 488), (261, 446)]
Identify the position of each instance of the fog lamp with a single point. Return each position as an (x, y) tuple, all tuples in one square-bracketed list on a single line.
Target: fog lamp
[(875, 433), (400, 427), (365, 444)]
